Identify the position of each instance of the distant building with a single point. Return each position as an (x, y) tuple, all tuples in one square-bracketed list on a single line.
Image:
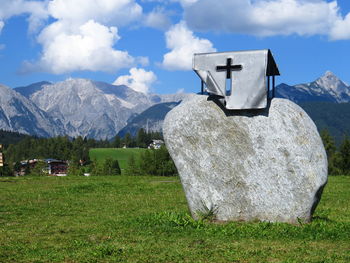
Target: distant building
[(53, 166), (1, 157), (156, 144), (57, 167)]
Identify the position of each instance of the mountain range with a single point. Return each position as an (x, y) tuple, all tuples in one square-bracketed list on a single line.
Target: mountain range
[(82, 107), (328, 88), (17, 113), (326, 100), (75, 107), (151, 120)]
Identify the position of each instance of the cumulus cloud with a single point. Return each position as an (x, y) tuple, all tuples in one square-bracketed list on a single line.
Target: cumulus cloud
[(37, 11), (341, 29), (83, 33), (1, 25), (157, 18), (187, 2), (139, 80), (116, 12), (268, 18), (84, 36), (90, 47), (183, 44), (2, 46)]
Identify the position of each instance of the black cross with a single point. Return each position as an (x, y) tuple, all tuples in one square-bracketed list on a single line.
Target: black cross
[(229, 68)]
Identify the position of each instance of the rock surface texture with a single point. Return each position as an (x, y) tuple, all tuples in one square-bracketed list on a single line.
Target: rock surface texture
[(267, 165)]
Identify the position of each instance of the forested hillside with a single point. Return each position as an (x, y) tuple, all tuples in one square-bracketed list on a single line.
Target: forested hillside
[(335, 117), (8, 137), (61, 148)]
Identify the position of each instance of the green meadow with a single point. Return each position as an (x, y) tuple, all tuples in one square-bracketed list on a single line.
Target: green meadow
[(146, 219), (121, 154)]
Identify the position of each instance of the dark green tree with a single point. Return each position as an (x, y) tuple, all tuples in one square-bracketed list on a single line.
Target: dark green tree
[(40, 168), (330, 148), (72, 169), (344, 153), (117, 142), (27, 170), (17, 167), (157, 162), (96, 168), (111, 167), (166, 166), (115, 168), (141, 138), (132, 167), (328, 143), (127, 140), (5, 171), (147, 164)]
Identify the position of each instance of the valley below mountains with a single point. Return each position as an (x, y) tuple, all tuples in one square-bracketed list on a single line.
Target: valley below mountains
[(87, 108)]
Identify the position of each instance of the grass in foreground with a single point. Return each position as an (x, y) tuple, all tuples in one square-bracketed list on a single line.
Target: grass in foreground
[(145, 219), (120, 154)]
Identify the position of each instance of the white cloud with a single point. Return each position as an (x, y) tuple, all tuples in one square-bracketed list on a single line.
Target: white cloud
[(187, 2), (157, 19), (139, 80), (341, 29), (37, 11), (143, 61), (2, 46), (264, 17), (116, 12), (267, 17), (90, 47), (84, 35), (1, 25), (285, 17), (183, 45)]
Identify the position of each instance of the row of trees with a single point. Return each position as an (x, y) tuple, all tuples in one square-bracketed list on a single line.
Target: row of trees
[(141, 140), (152, 162), (9, 137), (63, 148), (107, 167), (76, 151), (338, 157)]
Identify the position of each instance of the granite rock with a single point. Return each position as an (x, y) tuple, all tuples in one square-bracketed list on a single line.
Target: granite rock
[(267, 165)]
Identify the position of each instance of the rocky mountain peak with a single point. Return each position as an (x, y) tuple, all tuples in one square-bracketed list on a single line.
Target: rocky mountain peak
[(73, 85), (4, 92), (91, 108), (326, 88), (331, 82), (17, 113)]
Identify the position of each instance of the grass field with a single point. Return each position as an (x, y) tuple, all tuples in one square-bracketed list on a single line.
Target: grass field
[(145, 219), (121, 154)]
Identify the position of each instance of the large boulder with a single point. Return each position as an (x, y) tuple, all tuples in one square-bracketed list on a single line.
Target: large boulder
[(267, 165)]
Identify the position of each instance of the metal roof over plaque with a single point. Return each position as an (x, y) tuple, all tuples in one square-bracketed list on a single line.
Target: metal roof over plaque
[(241, 79)]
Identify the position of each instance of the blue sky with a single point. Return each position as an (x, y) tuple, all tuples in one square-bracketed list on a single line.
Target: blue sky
[(148, 44)]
